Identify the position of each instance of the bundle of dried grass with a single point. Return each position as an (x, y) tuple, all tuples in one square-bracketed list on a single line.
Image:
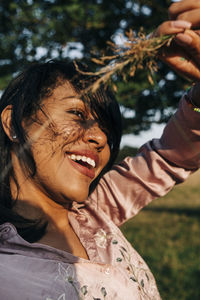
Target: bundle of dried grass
[(138, 52)]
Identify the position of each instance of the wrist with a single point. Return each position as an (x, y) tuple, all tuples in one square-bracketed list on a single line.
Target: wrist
[(193, 97)]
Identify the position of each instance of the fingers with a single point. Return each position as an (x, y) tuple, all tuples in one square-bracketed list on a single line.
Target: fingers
[(188, 10), (183, 54), (190, 41), (180, 7), (172, 27), (185, 60), (192, 16), (183, 66)]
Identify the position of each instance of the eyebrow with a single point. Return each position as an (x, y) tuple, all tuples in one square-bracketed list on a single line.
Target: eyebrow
[(70, 97)]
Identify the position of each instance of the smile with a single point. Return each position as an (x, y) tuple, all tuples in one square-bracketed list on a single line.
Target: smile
[(87, 161)]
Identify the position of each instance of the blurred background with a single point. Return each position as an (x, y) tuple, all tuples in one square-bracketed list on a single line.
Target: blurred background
[(166, 233)]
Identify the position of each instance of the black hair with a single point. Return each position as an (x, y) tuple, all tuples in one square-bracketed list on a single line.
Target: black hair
[(25, 93)]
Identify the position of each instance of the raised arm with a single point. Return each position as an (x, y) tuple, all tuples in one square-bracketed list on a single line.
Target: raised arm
[(161, 163)]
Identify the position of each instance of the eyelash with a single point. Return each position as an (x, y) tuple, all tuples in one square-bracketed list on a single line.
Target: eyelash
[(78, 113)]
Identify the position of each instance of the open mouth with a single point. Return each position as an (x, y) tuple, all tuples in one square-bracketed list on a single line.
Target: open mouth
[(83, 161)]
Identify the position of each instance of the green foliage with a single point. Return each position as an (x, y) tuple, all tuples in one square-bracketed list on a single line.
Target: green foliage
[(126, 151), (56, 26), (166, 234)]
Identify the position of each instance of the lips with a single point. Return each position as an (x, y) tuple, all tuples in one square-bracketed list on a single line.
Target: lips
[(84, 161)]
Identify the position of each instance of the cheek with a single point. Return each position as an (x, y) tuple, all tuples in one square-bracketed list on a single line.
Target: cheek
[(69, 131), (54, 137), (65, 134), (107, 155)]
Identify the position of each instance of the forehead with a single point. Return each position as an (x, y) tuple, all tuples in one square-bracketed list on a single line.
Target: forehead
[(64, 91), (62, 95)]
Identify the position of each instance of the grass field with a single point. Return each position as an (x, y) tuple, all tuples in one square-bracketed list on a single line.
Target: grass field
[(167, 235)]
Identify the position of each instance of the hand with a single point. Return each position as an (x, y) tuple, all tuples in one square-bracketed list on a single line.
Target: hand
[(187, 10), (183, 55)]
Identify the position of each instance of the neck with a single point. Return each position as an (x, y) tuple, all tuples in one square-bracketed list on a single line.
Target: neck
[(33, 202)]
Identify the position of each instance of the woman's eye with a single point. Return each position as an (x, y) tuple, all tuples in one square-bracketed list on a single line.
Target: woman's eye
[(78, 113)]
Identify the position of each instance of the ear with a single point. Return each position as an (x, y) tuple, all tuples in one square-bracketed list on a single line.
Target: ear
[(6, 123)]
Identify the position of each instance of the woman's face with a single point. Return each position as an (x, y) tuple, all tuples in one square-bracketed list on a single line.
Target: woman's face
[(69, 148)]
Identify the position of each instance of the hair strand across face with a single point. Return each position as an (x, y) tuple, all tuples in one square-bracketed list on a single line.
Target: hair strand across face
[(25, 94)]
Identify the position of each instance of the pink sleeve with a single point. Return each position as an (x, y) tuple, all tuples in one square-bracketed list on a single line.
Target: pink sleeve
[(160, 164)]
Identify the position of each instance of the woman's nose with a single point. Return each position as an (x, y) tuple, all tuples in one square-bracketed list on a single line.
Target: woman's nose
[(95, 136)]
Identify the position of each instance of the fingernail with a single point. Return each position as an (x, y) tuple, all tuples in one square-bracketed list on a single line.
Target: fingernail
[(181, 37), (181, 24)]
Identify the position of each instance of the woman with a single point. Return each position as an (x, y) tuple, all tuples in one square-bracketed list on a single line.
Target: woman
[(56, 242)]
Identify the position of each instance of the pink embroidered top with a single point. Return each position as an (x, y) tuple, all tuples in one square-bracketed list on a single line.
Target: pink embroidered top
[(114, 271)]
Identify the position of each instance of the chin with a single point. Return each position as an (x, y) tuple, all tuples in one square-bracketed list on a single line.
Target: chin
[(79, 197)]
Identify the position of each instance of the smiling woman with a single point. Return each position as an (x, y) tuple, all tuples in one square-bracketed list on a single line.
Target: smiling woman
[(59, 131), (62, 198)]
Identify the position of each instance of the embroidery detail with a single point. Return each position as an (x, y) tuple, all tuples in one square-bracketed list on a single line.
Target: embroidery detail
[(61, 297), (114, 242), (139, 275), (84, 290), (68, 275), (101, 238), (103, 291)]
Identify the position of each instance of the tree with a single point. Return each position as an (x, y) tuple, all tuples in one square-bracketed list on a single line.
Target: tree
[(40, 30)]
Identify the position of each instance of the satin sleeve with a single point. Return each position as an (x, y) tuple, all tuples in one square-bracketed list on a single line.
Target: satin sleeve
[(159, 165)]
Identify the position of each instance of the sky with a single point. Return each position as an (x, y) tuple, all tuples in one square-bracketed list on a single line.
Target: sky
[(143, 137)]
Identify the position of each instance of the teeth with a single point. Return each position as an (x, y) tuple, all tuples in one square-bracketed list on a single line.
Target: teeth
[(90, 161)]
